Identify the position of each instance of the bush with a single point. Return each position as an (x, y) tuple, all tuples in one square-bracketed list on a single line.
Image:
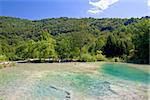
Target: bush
[(116, 59), (12, 57), (87, 58), (124, 58), (100, 57), (3, 58), (1, 66)]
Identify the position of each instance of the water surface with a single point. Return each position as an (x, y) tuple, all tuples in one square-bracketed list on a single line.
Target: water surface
[(69, 81), (126, 72)]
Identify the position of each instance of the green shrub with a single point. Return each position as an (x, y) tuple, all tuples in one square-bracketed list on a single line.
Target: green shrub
[(116, 59), (12, 57), (1, 66), (87, 58), (100, 57), (3, 58)]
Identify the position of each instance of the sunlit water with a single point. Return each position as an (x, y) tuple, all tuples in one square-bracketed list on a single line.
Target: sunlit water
[(62, 85), (124, 71)]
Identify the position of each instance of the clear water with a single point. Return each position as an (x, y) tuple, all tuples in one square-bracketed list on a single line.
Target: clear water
[(62, 84), (126, 72)]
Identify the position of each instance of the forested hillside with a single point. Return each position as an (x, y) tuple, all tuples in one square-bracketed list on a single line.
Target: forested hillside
[(85, 39)]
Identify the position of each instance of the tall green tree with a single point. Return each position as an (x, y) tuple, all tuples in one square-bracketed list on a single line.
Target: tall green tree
[(141, 40), (80, 40), (63, 47), (110, 47), (46, 46)]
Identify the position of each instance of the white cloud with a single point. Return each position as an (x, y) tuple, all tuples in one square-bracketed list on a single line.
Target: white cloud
[(148, 3), (100, 5)]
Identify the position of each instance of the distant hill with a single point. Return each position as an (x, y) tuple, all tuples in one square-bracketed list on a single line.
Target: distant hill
[(30, 29), (15, 31)]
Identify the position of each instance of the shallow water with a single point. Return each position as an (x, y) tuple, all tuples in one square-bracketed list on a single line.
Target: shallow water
[(63, 83), (110, 81), (126, 72)]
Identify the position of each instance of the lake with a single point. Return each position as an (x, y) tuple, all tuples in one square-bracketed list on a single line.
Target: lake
[(77, 81)]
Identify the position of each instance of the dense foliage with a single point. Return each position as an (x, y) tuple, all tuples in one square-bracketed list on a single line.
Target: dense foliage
[(85, 39)]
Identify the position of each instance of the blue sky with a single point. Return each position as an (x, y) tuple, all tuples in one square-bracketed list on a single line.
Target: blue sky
[(40, 9)]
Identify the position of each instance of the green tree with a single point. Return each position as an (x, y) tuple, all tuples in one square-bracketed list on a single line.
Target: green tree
[(80, 40), (46, 46), (141, 40), (64, 47), (110, 47)]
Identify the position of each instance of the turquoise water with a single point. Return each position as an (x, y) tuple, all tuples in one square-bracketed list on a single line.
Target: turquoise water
[(124, 71), (49, 90), (62, 85), (59, 84), (90, 85), (51, 84)]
